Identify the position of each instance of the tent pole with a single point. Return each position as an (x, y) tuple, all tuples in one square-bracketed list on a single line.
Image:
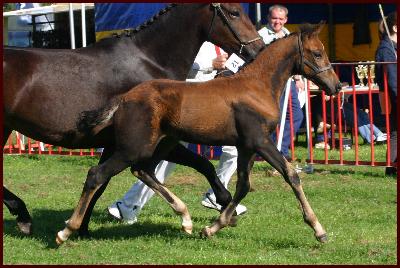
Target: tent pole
[(71, 26)]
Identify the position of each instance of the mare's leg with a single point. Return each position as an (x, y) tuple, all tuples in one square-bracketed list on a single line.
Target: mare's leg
[(84, 229), (17, 207), (183, 156), (245, 164), (96, 177), (271, 154), (14, 204)]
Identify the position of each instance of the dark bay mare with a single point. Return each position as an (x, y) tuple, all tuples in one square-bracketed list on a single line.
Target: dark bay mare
[(69, 82), (244, 111)]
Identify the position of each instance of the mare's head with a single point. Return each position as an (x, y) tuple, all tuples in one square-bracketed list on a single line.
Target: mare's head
[(313, 61), (228, 26)]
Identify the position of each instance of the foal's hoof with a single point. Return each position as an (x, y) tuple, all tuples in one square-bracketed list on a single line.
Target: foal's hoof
[(322, 238), (206, 232), (59, 241), (25, 227), (233, 221), (84, 233), (187, 229), (61, 238)]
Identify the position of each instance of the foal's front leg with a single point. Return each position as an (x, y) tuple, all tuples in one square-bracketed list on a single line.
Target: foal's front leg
[(227, 217), (96, 177), (271, 154)]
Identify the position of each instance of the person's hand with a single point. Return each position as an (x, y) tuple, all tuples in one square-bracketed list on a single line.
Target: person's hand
[(220, 61)]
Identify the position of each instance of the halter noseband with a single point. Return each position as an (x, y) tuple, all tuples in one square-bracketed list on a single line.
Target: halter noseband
[(304, 61), (218, 9)]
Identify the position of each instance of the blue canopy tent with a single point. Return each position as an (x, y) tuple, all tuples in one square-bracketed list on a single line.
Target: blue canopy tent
[(117, 16)]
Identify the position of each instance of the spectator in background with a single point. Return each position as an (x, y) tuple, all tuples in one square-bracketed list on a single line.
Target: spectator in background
[(363, 123), (387, 52)]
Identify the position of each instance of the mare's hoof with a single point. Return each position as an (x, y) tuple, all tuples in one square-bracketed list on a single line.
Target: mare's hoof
[(206, 232), (322, 238), (187, 229), (25, 227)]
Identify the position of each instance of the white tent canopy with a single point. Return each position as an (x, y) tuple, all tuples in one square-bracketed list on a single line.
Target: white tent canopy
[(58, 8)]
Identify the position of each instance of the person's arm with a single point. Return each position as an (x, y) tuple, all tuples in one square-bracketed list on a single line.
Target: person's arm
[(389, 56)]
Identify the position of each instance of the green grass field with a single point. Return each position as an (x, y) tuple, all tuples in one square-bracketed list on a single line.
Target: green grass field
[(356, 205)]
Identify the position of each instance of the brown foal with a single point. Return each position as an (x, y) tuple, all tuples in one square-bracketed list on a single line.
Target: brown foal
[(241, 110)]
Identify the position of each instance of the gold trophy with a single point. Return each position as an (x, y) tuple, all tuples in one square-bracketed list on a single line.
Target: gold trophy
[(365, 71), (360, 74), (372, 74)]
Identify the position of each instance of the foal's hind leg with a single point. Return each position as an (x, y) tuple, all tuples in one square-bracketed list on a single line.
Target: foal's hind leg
[(14, 204), (242, 188), (176, 204), (270, 154), (145, 173), (183, 156), (84, 229), (96, 177)]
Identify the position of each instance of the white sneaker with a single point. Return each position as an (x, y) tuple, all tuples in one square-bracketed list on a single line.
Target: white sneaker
[(321, 145), (381, 138), (210, 202), (123, 213)]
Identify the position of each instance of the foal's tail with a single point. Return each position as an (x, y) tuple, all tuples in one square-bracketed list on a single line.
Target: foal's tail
[(92, 122)]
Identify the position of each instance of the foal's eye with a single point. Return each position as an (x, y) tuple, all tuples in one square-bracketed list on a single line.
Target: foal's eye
[(317, 55), (234, 14)]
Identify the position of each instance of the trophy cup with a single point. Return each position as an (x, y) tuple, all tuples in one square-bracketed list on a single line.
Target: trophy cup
[(372, 74), (365, 71), (360, 74)]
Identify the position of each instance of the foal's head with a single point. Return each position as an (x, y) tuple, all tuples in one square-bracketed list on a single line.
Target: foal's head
[(313, 61), (228, 23)]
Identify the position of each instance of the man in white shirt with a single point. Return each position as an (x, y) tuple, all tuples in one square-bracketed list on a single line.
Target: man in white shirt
[(277, 18)]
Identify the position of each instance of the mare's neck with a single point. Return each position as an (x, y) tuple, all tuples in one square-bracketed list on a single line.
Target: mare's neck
[(275, 64), (173, 40)]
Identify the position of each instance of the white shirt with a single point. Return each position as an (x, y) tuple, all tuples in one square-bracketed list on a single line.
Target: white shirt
[(268, 35), (202, 65)]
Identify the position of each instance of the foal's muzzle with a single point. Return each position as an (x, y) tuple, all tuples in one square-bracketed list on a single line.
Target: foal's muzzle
[(338, 87)]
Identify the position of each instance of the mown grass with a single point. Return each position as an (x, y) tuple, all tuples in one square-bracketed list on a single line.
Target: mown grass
[(356, 205)]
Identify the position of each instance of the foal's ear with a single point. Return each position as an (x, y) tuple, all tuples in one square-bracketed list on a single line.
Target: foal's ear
[(319, 27)]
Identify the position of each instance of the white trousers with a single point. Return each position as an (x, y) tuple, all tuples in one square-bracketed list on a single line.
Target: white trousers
[(140, 193)]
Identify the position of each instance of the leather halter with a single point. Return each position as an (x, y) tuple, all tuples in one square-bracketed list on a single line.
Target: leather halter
[(304, 61), (218, 10)]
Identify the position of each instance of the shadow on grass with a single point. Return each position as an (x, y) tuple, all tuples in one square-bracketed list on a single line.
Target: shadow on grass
[(46, 224)]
